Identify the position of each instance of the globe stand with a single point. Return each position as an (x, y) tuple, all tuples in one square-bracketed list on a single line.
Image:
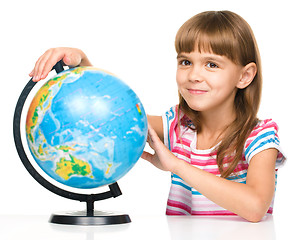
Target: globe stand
[(88, 217)]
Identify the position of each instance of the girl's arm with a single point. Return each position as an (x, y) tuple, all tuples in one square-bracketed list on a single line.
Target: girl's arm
[(156, 123), (70, 56), (250, 201)]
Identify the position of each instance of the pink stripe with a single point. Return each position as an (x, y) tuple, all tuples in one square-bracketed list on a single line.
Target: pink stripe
[(174, 213), (241, 167), (183, 141), (270, 210), (195, 161), (202, 162), (180, 151), (280, 156), (171, 129), (269, 123), (179, 205), (219, 212), (227, 213)]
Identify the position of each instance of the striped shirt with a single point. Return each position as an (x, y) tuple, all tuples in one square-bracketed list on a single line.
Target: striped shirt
[(184, 199)]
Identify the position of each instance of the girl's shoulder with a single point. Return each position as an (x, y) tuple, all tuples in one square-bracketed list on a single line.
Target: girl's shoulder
[(267, 124), (263, 136), (263, 130)]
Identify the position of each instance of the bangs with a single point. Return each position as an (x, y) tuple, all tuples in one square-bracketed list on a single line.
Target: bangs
[(211, 32)]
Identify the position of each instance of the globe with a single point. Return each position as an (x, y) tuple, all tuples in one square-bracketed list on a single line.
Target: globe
[(86, 128)]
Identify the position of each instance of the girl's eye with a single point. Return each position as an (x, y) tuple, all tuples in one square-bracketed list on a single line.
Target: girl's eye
[(211, 65), (185, 63)]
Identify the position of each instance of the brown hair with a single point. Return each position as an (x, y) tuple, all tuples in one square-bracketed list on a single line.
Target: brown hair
[(227, 34)]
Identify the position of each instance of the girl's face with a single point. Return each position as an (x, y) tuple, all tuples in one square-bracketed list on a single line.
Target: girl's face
[(207, 81)]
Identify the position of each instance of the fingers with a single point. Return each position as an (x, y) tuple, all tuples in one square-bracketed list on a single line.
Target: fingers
[(70, 57), (151, 159), (152, 135), (39, 71), (147, 156), (45, 64)]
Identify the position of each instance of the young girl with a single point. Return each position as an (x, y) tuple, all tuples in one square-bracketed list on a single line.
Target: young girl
[(222, 158)]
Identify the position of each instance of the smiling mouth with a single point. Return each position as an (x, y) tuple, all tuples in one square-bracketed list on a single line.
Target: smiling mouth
[(197, 91)]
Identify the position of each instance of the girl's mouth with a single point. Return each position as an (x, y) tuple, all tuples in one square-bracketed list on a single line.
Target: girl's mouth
[(197, 91)]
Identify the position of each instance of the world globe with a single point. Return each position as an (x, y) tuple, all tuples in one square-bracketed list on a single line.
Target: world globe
[(86, 128)]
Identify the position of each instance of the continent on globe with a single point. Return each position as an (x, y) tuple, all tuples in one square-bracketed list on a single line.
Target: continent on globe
[(37, 104), (86, 128), (67, 168)]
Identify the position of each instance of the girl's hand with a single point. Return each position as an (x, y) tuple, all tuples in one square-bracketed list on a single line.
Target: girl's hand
[(70, 56), (162, 158)]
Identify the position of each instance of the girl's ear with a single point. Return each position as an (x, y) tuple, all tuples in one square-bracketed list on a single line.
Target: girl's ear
[(247, 76)]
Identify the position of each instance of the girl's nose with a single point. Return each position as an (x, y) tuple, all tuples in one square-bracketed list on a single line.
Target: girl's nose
[(196, 74)]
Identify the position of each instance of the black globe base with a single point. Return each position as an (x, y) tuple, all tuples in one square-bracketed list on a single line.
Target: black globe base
[(90, 216), (87, 219)]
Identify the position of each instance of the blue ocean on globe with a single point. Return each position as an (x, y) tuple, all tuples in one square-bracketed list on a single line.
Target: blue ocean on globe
[(86, 128)]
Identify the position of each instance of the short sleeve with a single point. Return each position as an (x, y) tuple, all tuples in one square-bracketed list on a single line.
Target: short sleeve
[(264, 136), (169, 123)]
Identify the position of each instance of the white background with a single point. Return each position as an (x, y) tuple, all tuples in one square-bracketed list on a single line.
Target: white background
[(135, 40)]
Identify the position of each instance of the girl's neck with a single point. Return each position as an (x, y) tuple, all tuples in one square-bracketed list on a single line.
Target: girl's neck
[(212, 128), (215, 123)]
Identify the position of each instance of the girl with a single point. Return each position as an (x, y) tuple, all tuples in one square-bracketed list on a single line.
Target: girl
[(222, 158)]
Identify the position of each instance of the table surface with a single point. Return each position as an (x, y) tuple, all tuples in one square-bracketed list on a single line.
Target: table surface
[(142, 227)]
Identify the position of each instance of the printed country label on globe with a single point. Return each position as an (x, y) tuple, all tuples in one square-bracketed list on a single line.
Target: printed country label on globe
[(86, 128)]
